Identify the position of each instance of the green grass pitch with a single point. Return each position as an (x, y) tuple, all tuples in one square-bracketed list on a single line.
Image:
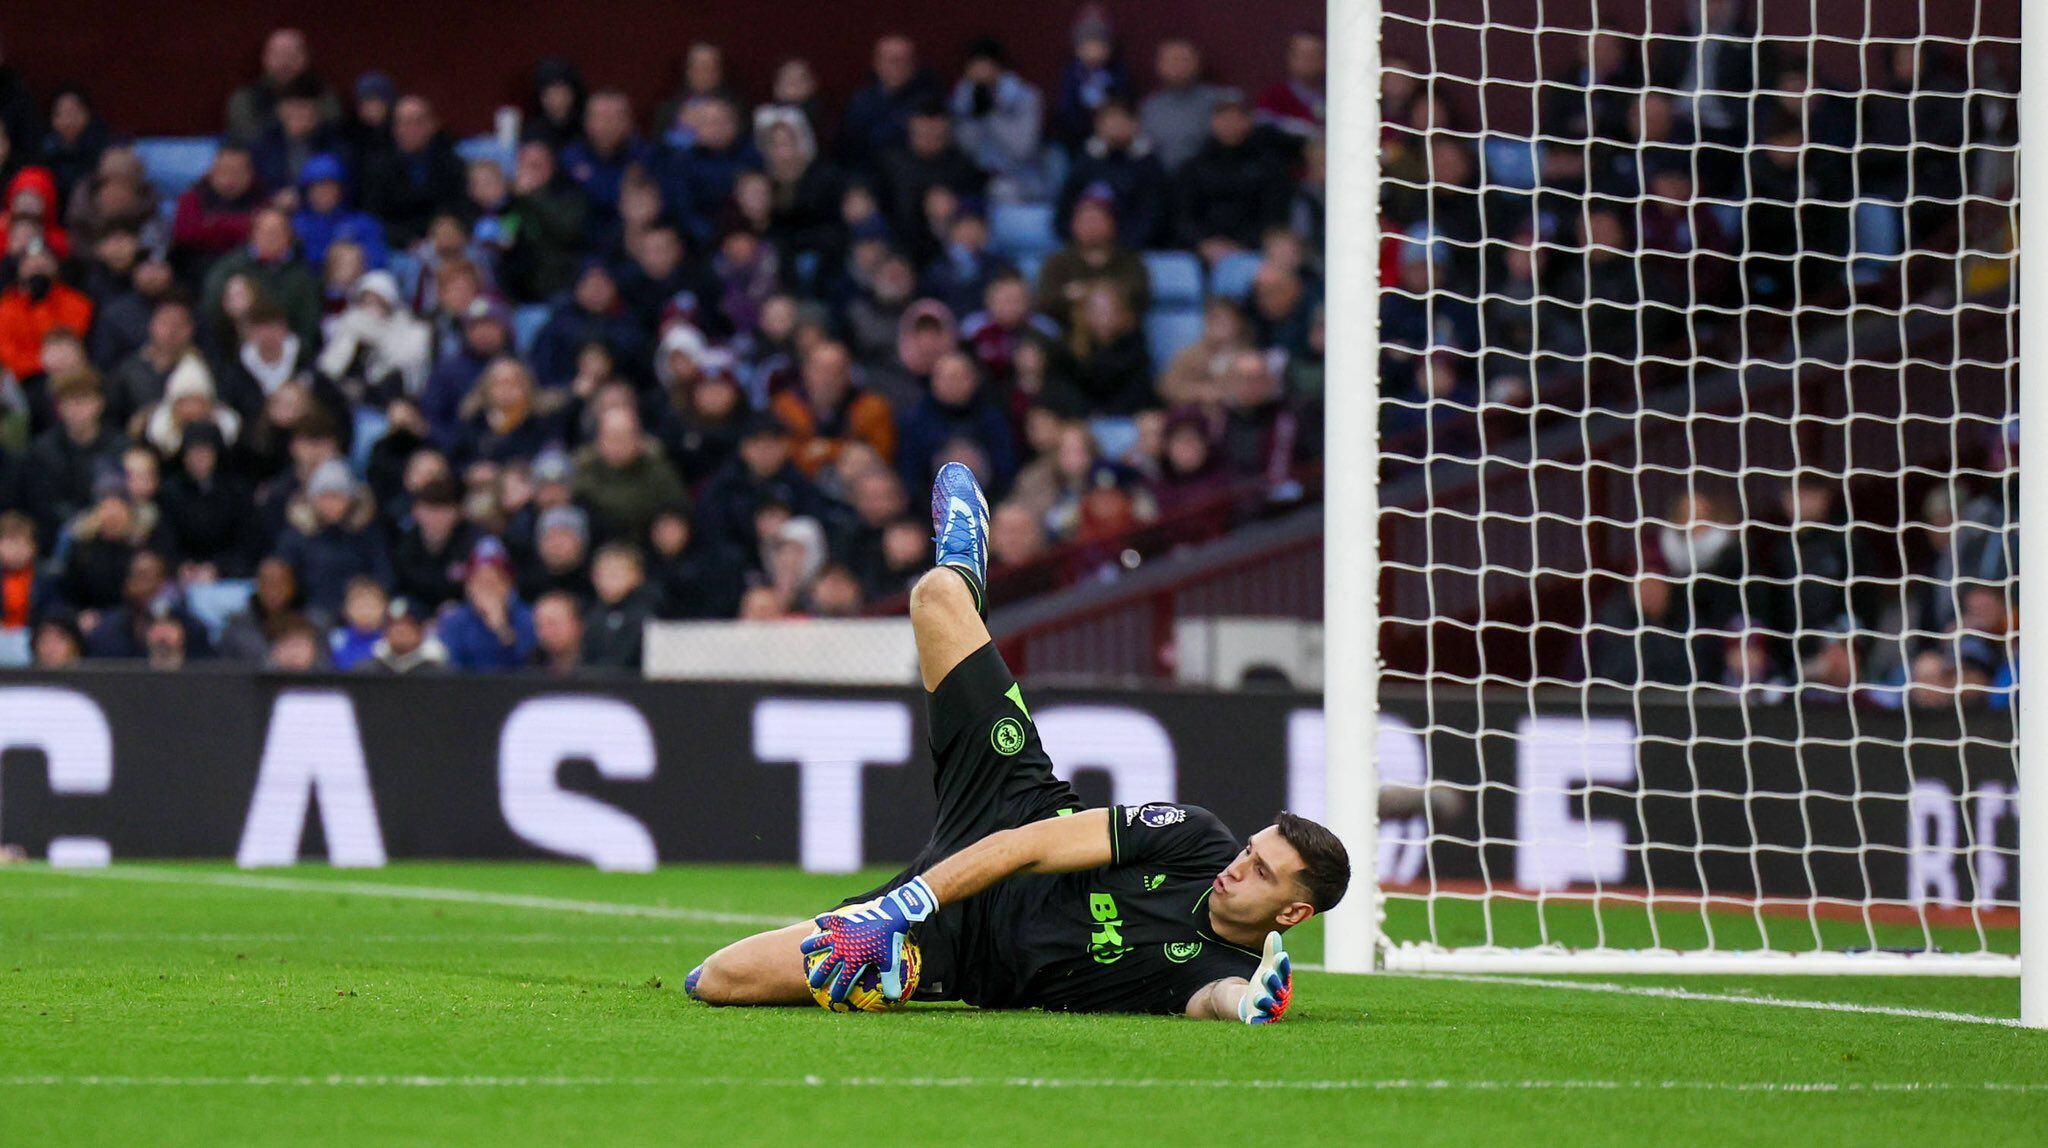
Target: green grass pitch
[(512, 1004)]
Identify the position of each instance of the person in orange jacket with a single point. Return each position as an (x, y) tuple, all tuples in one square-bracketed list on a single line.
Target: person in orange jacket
[(34, 303), (32, 194), (830, 411)]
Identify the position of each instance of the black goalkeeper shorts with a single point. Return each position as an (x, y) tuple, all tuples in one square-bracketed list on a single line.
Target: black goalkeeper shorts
[(989, 771), (990, 774)]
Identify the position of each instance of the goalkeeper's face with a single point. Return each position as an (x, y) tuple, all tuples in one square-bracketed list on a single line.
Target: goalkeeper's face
[(1261, 889)]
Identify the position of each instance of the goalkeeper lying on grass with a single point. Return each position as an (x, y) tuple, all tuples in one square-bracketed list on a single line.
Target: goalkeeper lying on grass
[(1023, 899)]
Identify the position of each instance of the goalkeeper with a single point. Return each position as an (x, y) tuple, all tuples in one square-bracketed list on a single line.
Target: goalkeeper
[(1022, 898)]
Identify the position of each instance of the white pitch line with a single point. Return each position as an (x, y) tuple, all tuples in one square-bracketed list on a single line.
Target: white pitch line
[(1718, 998), (1394, 1084), (370, 938), (419, 893)]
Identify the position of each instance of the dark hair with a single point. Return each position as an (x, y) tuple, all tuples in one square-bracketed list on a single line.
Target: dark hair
[(1325, 865)]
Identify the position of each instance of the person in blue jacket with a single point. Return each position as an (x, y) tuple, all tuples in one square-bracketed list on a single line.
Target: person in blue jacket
[(491, 628)]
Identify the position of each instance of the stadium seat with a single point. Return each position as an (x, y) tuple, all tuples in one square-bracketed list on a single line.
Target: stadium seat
[(1020, 229), (175, 163), (485, 147), (1028, 265), (213, 603), (526, 324), (1880, 239), (1169, 332), (1232, 278), (1115, 435), (16, 649), (1176, 279), (1511, 162)]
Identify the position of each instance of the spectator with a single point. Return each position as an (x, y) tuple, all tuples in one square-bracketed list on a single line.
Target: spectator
[(623, 479), (35, 302), (1193, 476), (1104, 367), (338, 540), (1262, 436), (1644, 637), (407, 646), (508, 423), (208, 510), (695, 577), (491, 628), (275, 601), (1295, 105), (997, 118), (1092, 77), (1016, 537), (148, 606), (214, 215), (878, 115), (561, 556), (660, 286), (697, 176), (956, 406), (419, 178), (324, 217), (366, 130), (76, 139), (273, 356), (832, 411), (554, 112), (33, 207), (558, 634), (286, 62), (190, 402), (545, 219), (996, 332), (1232, 190), (1093, 255), (66, 459), (297, 134), (272, 269), (1282, 310), (295, 648), (700, 423), (138, 382), (959, 274), (1175, 117), (804, 191), (601, 160), (759, 473), (363, 611), (1199, 374), (116, 195), (58, 644), (486, 336), (593, 313), (1812, 571), (24, 590), (377, 346), (432, 546), (614, 630), (1116, 164), (927, 159)]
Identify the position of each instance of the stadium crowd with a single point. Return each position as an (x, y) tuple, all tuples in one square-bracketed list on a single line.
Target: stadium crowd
[(360, 396)]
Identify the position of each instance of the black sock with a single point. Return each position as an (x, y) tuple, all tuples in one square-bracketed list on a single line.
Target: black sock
[(973, 584)]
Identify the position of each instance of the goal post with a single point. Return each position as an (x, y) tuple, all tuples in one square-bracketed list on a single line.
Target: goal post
[(2033, 402), (1674, 519)]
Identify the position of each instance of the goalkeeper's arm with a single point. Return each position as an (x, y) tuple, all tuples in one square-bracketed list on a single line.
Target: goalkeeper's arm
[(1055, 845)]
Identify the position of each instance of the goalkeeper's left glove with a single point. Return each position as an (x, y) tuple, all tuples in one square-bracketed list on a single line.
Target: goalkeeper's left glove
[(1266, 998), (871, 934)]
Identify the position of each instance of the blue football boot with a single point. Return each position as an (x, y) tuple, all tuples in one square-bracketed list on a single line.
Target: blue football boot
[(960, 528)]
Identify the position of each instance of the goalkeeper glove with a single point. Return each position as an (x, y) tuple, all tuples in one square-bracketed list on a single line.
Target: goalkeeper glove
[(868, 935), (1266, 998)]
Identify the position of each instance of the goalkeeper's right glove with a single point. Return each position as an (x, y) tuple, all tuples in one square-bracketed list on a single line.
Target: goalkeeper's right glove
[(871, 934), (1266, 998)]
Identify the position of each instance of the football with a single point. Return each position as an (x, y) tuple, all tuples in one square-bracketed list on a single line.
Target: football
[(867, 991)]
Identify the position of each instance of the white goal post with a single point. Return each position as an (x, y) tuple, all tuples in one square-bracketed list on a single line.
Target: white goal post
[(1674, 549)]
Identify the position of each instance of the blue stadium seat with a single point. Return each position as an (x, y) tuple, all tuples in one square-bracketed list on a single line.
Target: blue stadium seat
[(526, 324), (485, 147), (1176, 279), (15, 647), (1114, 435), (1511, 162), (1169, 332), (1232, 278), (405, 267), (175, 163), (1028, 265), (1880, 239), (1019, 229), (213, 603)]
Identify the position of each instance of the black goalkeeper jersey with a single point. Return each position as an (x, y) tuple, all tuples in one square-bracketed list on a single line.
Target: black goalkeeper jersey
[(1131, 937)]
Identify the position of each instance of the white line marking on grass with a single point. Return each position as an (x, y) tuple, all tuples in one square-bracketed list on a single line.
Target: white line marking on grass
[(1397, 1084), (1718, 998), (419, 893)]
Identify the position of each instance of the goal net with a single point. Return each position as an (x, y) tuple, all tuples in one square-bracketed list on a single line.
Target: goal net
[(1697, 500)]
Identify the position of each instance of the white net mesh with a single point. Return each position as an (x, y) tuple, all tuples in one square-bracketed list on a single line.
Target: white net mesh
[(1699, 489)]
